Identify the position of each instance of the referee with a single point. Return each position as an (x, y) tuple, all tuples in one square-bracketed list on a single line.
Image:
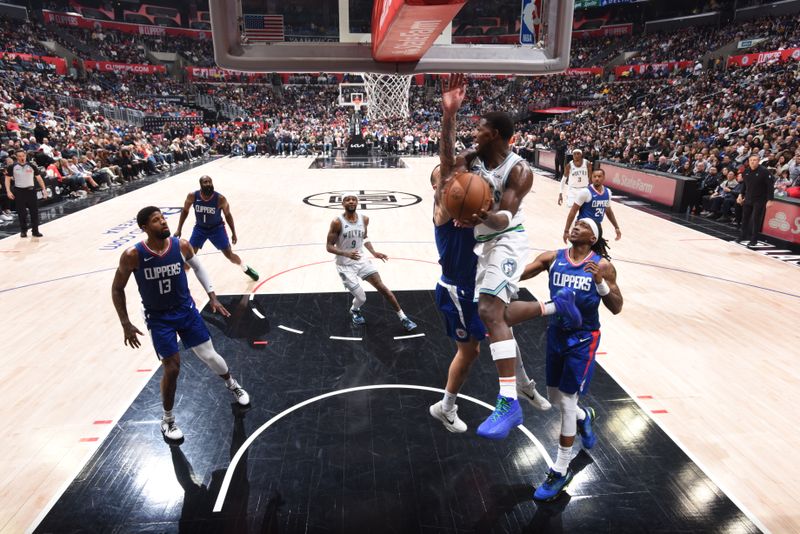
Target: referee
[(23, 173)]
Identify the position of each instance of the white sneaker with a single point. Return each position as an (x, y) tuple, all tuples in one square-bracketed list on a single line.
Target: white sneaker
[(450, 420), (239, 393), (171, 430), (530, 394), (6, 217)]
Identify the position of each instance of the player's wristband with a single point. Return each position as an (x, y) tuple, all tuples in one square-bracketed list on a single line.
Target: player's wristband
[(507, 214), (603, 289)]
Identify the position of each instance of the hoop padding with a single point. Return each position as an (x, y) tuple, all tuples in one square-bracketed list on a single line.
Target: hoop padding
[(387, 95)]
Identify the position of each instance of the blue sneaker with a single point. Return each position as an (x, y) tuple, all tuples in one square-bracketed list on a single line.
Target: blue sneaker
[(588, 437), (506, 415), (358, 319), (564, 300), (553, 485), (408, 324)]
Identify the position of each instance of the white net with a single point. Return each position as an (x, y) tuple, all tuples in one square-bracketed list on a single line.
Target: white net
[(387, 95)]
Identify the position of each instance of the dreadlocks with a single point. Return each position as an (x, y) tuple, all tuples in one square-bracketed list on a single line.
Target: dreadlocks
[(601, 245)]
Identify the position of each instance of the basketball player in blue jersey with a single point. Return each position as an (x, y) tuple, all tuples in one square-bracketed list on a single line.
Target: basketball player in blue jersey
[(158, 264), (593, 202), (584, 269), (346, 237), (502, 243), (455, 293), (209, 207)]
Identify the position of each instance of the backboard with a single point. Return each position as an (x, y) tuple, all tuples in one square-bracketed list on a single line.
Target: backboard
[(484, 37)]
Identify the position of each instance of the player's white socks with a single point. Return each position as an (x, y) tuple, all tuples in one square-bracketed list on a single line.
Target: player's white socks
[(243, 266), (508, 387), (168, 416), (449, 401), (562, 459), (401, 315), (359, 297), (581, 413)]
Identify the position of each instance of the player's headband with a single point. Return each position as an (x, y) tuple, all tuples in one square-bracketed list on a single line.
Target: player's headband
[(349, 194), (592, 225)]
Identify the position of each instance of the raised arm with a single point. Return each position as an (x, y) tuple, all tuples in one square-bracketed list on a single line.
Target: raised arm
[(128, 263), (187, 206)]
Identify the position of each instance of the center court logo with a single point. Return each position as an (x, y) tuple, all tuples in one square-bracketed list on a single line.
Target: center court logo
[(368, 199)]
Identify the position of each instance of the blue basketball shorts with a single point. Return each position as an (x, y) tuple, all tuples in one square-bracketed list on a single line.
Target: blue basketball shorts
[(217, 235), (460, 311), (571, 358), (165, 327)]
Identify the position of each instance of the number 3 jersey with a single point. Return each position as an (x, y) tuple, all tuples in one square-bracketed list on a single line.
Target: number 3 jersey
[(565, 273), (161, 278)]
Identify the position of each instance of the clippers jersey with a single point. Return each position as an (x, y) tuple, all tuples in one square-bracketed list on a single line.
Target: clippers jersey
[(564, 273), (161, 279), (456, 254), (496, 178), (350, 238), (596, 207), (206, 212)]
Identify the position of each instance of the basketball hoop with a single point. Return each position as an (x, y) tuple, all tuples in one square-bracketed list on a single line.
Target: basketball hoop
[(387, 95)]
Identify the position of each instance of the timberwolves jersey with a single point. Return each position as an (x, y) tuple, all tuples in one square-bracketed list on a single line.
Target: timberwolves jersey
[(596, 207), (578, 175), (564, 273), (456, 256), (207, 213), (497, 179), (350, 238), (161, 279)]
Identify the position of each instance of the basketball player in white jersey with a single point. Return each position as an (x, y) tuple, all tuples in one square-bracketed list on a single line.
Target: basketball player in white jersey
[(502, 243), (575, 178), (346, 237)]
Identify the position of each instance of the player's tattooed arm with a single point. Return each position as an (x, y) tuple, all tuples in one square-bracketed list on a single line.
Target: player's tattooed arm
[(187, 206), (453, 93), (127, 264)]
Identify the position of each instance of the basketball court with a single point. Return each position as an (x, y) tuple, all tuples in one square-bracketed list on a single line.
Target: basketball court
[(693, 389), (684, 427)]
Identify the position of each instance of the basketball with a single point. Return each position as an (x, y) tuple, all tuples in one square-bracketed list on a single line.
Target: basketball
[(466, 194)]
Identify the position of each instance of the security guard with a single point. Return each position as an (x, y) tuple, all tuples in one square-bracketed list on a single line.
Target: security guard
[(23, 192)]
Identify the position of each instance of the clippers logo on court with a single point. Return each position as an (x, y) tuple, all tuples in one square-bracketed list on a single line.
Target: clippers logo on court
[(129, 231), (368, 199), (508, 266)]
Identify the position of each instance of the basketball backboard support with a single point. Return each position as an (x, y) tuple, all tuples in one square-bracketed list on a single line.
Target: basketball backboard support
[(486, 37)]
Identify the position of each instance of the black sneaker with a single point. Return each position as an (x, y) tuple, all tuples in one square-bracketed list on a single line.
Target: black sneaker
[(23, 234), (36, 233), (251, 273)]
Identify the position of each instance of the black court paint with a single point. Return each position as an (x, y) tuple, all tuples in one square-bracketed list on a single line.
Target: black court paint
[(373, 461)]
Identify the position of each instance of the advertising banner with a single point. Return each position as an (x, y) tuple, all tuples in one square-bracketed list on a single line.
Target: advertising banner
[(782, 220), (641, 68), (660, 189), (746, 60), (60, 63), (111, 66), (78, 21)]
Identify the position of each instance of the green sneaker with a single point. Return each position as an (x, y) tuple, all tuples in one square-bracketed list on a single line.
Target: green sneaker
[(251, 273)]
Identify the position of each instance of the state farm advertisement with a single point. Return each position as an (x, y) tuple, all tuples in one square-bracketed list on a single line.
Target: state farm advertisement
[(111, 66), (747, 60), (653, 187), (782, 220)]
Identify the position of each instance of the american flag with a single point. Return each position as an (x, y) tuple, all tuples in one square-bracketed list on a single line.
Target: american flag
[(263, 28)]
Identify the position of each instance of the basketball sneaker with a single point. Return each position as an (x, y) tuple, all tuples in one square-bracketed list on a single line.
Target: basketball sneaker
[(530, 394), (588, 437), (564, 301), (239, 393), (450, 420), (408, 324), (171, 430), (357, 318), (251, 273), (553, 485), (506, 415)]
